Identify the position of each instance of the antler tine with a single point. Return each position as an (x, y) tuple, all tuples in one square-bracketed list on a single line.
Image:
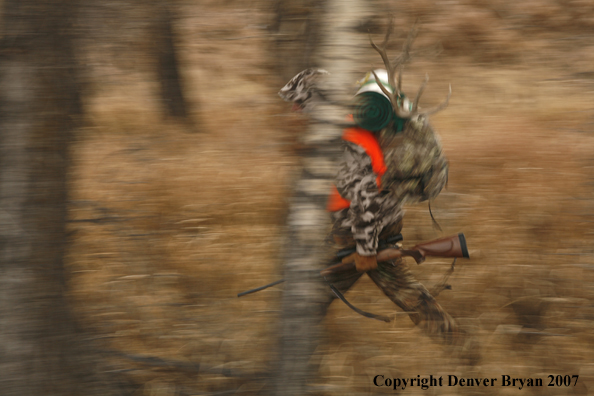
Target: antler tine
[(404, 57), (419, 93), (388, 32), (412, 35), (385, 90), (399, 112), (442, 106), (383, 53), (391, 69)]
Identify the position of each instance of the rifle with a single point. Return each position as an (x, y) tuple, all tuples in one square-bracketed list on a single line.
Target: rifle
[(341, 254), (451, 246)]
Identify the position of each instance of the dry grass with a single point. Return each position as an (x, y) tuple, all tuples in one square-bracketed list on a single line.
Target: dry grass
[(171, 225)]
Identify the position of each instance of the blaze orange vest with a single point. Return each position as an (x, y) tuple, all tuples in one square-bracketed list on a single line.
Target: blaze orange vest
[(368, 141)]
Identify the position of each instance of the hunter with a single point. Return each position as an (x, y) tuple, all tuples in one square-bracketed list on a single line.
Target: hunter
[(388, 161)]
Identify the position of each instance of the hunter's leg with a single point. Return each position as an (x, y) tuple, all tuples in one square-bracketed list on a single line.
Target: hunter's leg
[(342, 282), (400, 286)]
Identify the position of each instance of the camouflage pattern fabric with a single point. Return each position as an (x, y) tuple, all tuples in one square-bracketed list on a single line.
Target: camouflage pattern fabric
[(371, 210), (403, 289), (301, 90), (400, 286), (416, 171)]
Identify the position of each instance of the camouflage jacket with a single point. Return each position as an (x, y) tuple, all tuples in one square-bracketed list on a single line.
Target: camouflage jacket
[(417, 171)]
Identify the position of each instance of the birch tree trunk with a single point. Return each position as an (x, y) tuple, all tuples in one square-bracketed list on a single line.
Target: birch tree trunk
[(305, 295), (41, 352)]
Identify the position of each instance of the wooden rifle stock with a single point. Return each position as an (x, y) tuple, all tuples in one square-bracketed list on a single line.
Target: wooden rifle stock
[(451, 246)]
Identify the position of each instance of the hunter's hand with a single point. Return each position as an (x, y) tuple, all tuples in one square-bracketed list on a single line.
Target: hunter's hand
[(365, 263)]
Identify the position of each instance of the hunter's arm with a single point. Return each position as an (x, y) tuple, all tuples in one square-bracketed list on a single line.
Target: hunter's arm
[(357, 183)]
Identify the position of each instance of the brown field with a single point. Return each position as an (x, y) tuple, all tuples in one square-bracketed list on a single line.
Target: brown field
[(172, 221)]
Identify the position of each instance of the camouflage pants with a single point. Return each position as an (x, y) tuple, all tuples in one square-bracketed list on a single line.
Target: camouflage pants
[(400, 286)]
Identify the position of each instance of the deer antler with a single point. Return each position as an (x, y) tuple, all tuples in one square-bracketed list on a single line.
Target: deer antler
[(441, 106), (391, 69), (421, 89), (399, 63), (404, 57)]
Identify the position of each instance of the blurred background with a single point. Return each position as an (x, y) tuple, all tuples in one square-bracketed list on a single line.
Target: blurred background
[(181, 158)]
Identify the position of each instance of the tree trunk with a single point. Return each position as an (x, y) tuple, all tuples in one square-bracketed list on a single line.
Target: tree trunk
[(305, 294), (172, 96), (41, 351)]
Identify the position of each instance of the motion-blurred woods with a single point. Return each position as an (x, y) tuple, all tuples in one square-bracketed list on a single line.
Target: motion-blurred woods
[(146, 164), (44, 350)]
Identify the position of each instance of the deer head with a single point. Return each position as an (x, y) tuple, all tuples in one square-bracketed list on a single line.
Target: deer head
[(397, 65)]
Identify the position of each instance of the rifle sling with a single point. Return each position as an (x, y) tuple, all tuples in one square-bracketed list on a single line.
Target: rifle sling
[(257, 289), (334, 290), (351, 306)]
